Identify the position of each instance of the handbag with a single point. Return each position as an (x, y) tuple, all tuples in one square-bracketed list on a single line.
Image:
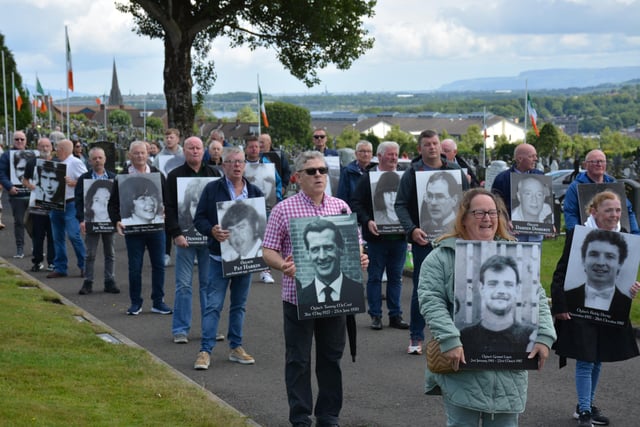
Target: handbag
[(436, 361)]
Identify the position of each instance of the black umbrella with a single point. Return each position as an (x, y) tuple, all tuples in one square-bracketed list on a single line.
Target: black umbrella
[(352, 333)]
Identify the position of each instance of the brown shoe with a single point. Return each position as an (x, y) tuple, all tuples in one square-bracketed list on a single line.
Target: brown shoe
[(55, 274)]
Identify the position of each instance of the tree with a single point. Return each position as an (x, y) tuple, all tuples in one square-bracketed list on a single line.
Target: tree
[(289, 125), (155, 124), (306, 36), (23, 116), (247, 115), (119, 118), (406, 141)]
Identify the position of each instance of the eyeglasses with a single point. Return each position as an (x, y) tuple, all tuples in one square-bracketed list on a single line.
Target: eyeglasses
[(479, 213), (233, 162), (319, 136), (596, 162), (365, 151), (313, 171)]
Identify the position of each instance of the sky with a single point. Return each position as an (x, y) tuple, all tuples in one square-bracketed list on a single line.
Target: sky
[(419, 45)]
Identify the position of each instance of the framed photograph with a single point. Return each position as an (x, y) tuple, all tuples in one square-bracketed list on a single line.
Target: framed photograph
[(326, 251), (384, 188), (189, 192), (48, 177), (531, 203), (18, 164), (497, 287), (263, 176), (439, 194), (141, 202), (97, 193), (333, 178), (246, 221), (587, 191), (168, 162), (603, 268)]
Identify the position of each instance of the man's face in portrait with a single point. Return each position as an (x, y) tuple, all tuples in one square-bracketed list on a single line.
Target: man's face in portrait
[(49, 184), (601, 264), (531, 196), (21, 167), (241, 237), (324, 254), (499, 291), (440, 203)]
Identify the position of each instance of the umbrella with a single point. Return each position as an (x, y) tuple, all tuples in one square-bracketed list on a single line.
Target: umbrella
[(352, 332)]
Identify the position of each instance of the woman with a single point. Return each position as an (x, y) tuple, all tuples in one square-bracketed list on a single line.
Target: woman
[(97, 201), (384, 197), (493, 397), (141, 202), (587, 342)]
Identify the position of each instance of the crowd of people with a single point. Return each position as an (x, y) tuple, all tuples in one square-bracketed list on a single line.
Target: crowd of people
[(427, 211)]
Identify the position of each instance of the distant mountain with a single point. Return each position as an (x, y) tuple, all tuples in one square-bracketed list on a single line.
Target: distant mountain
[(547, 79)]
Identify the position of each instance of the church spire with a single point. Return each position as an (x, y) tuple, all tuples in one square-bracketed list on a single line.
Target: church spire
[(115, 97)]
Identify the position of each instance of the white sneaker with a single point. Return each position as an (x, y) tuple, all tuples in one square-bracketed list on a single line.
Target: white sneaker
[(265, 277), (167, 260)]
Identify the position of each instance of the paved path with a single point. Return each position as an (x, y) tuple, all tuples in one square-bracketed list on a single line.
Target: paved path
[(383, 388)]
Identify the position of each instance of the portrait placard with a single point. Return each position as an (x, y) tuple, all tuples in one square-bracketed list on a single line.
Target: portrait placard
[(603, 268), (384, 188), (333, 177), (141, 202), (326, 251), (168, 162), (48, 177), (246, 221), (497, 292), (531, 203), (189, 192), (439, 193), (18, 160), (97, 193), (587, 191), (263, 176)]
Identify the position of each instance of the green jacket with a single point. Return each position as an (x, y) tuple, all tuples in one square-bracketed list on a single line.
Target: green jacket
[(490, 391)]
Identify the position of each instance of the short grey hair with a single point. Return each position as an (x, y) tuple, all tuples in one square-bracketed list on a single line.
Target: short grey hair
[(305, 156), (385, 145), (363, 143), (228, 151)]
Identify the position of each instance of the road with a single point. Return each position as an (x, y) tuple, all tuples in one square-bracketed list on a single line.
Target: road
[(384, 387)]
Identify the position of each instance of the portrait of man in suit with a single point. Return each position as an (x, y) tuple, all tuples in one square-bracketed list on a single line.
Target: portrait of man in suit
[(325, 247)]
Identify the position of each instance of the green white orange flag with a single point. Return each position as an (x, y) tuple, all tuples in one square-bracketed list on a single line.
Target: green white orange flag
[(39, 87), (263, 111), (69, 67), (533, 115), (18, 100)]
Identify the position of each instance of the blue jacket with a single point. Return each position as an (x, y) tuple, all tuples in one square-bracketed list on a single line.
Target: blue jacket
[(207, 213), (5, 175), (572, 205), (349, 177), (502, 185)]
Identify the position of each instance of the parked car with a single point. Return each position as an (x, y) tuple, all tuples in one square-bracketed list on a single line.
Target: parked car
[(560, 180)]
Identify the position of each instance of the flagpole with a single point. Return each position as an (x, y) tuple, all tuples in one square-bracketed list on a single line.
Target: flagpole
[(484, 136), (526, 107), (259, 107), (6, 116), (13, 89), (69, 76)]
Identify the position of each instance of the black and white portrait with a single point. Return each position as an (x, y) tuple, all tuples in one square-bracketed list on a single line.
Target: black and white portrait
[(531, 203), (168, 162), (384, 187), (246, 221), (587, 191), (439, 194), (97, 193), (141, 202), (48, 178), (603, 268), (333, 180), (328, 272), (496, 303), (18, 166), (263, 176), (189, 192)]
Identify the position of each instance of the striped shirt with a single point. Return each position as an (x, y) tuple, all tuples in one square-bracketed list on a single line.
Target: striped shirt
[(278, 238)]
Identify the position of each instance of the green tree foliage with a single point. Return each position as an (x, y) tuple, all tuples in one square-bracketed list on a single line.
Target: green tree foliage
[(348, 138), (405, 140), (289, 125), (247, 115), (119, 118), (547, 143), (305, 35), (23, 116), (155, 124)]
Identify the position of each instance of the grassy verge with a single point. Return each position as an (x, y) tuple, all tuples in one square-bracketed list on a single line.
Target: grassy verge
[(55, 371)]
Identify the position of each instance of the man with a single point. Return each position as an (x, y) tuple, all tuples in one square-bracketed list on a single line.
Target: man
[(215, 153), (320, 143), (387, 252), (439, 204), (233, 186), (525, 159), (97, 160), (40, 222), (431, 158), (284, 168), (186, 253), (498, 330), (531, 194), (153, 241), (595, 165), (64, 223), (350, 174), (329, 332), (18, 194), (450, 150), (325, 247)]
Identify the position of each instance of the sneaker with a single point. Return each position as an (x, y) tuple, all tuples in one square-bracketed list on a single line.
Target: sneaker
[(219, 337), (51, 267), (167, 260), (415, 347), (161, 308), (584, 419), (19, 255), (597, 417), (37, 267), (134, 310), (180, 339), (202, 361), (239, 355), (265, 277)]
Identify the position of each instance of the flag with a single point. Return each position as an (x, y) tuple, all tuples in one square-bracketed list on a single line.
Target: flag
[(533, 115), (69, 67), (43, 105), (18, 100), (98, 101), (263, 111), (39, 87)]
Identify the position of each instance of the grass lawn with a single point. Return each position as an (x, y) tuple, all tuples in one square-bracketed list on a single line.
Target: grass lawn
[(55, 371)]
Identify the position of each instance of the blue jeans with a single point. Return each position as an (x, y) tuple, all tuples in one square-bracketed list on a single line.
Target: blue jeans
[(184, 278), (417, 324), (66, 224), (389, 254), (458, 416), (136, 243), (212, 300), (530, 238), (587, 376)]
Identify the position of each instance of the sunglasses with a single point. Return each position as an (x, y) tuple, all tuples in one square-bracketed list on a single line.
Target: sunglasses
[(319, 136), (313, 171), (18, 139)]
